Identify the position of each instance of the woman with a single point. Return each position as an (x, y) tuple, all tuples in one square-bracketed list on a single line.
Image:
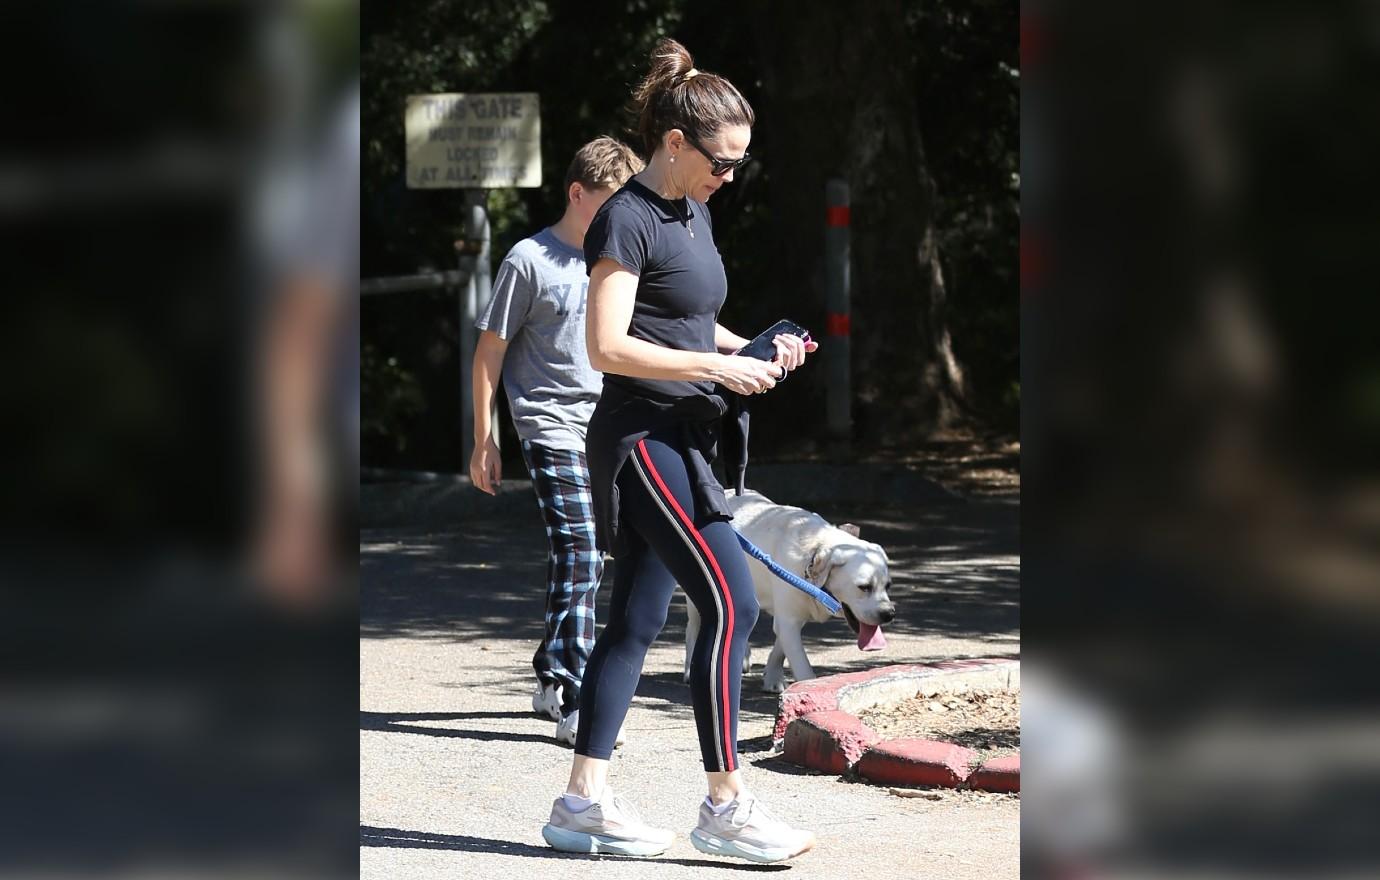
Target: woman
[(656, 286)]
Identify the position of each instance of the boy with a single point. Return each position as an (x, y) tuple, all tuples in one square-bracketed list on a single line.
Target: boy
[(533, 334)]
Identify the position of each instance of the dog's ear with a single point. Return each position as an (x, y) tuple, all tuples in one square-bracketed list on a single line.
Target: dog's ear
[(818, 559), (850, 529), (822, 561)]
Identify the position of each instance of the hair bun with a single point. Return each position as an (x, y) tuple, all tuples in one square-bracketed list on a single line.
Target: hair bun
[(659, 104)]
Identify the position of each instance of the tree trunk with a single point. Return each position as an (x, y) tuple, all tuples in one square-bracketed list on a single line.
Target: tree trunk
[(839, 91)]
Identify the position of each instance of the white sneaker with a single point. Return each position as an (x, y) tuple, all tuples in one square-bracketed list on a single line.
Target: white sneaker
[(746, 830), (610, 825), (569, 726), (547, 701)]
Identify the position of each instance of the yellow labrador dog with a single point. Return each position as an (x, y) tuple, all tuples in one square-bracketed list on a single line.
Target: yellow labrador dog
[(835, 559)]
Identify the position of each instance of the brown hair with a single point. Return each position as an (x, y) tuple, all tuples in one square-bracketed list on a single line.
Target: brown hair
[(602, 162), (699, 105)]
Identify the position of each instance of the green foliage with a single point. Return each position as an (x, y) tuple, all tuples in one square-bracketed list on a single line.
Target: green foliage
[(392, 397), (583, 59)]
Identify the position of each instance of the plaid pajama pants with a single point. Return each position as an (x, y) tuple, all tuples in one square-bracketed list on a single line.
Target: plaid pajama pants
[(573, 568)]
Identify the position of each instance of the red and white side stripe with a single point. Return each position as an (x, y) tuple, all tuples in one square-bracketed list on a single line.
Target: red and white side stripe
[(718, 588)]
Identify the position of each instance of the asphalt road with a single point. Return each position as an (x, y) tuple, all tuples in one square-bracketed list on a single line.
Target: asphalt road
[(457, 775)]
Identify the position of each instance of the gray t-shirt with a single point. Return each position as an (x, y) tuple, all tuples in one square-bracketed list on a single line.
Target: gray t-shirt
[(538, 306)]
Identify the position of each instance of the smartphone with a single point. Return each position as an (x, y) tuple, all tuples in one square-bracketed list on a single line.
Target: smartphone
[(762, 347)]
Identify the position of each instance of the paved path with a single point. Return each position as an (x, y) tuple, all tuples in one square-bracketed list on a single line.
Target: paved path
[(457, 775)]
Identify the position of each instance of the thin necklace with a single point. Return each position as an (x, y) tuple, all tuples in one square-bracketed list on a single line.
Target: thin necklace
[(690, 228), (686, 220)]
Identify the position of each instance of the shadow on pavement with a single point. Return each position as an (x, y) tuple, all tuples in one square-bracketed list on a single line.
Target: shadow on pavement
[(955, 571), (389, 722), (395, 837)]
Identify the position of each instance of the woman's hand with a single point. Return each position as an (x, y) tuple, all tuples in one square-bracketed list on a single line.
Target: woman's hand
[(791, 351), (745, 375)]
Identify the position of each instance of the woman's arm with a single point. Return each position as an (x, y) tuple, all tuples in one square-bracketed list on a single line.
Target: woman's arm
[(612, 293), (726, 341)]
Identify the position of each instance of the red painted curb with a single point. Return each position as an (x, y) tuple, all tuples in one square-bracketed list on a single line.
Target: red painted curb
[(831, 741), (821, 694), (803, 698), (917, 762), (818, 735), (998, 774)]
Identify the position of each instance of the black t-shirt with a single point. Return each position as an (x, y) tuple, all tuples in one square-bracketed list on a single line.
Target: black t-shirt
[(681, 285)]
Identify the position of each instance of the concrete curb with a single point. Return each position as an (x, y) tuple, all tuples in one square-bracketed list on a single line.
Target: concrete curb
[(998, 774), (857, 690), (917, 762), (450, 499), (818, 728), (832, 741)]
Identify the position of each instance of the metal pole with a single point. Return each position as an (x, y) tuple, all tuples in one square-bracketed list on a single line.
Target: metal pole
[(410, 283), (837, 347), (474, 261)]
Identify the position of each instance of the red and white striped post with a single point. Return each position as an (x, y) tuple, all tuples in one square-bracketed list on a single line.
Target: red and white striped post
[(837, 346)]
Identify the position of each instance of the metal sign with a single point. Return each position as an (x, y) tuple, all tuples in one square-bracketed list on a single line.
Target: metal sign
[(473, 141)]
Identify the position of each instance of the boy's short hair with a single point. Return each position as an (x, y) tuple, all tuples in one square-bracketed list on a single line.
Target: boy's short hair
[(603, 162)]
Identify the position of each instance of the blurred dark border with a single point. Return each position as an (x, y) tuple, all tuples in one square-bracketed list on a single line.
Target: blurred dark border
[(162, 708), (1201, 422)]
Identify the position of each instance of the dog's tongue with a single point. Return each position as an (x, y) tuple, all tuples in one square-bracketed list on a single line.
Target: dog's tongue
[(870, 637)]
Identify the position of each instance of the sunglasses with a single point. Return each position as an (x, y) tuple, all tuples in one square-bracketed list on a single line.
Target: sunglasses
[(718, 167)]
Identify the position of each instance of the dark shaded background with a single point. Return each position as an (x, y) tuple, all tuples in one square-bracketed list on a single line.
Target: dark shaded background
[(914, 104)]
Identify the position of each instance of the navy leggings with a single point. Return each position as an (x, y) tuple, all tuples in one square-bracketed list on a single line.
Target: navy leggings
[(670, 542)]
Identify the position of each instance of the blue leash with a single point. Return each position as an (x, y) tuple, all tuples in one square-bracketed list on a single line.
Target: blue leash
[(791, 578)]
